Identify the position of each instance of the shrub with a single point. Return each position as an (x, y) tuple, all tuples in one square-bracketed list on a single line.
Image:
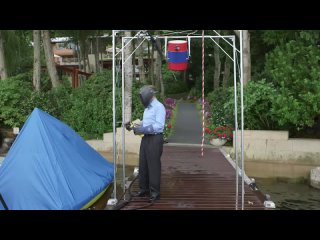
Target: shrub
[(219, 114), (14, 97), (173, 81), (91, 112), (293, 68), (258, 103)]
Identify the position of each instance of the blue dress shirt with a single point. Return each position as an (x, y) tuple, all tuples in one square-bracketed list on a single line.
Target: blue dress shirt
[(154, 117)]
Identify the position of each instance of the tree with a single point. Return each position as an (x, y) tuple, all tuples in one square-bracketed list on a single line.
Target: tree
[(217, 65), (36, 60), (158, 67), (226, 72), (128, 77), (140, 53), (3, 69), (51, 66), (246, 53), (246, 57), (151, 67), (293, 67)]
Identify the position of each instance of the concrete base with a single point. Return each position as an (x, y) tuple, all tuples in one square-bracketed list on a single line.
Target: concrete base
[(315, 177), (274, 154), (132, 142)]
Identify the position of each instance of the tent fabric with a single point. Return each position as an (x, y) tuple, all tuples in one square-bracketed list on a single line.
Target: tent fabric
[(50, 167)]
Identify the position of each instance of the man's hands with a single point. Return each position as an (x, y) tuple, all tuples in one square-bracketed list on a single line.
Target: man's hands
[(129, 126), (137, 128)]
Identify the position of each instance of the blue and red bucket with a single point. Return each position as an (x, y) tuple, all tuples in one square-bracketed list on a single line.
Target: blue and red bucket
[(178, 55)]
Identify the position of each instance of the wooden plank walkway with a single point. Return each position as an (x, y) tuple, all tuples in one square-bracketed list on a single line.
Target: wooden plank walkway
[(191, 182)]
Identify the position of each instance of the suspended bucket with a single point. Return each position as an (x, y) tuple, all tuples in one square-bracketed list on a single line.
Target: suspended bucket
[(178, 55)]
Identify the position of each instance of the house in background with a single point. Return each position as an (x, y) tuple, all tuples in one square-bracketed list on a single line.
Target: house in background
[(65, 51)]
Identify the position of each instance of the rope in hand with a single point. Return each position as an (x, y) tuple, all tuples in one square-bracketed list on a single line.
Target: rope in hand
[(202, 93)]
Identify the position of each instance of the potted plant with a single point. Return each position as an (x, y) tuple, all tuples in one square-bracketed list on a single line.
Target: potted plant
[(219, 136)]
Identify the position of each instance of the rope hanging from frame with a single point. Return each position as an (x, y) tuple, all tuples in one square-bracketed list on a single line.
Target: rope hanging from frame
[(202, 93)]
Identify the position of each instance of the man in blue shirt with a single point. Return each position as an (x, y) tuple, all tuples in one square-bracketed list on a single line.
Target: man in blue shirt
[(151, 147)]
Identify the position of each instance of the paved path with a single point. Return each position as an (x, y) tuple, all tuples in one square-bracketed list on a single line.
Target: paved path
[(188, 128)]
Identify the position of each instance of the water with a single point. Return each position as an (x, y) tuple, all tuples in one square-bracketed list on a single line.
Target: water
[(290, 195)]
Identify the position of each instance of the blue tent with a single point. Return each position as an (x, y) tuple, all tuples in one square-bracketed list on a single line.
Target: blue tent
[(51, 167)]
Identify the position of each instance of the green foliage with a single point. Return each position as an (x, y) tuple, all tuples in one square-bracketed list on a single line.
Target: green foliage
[(90, 112), (220, 115), (293, 68), (258, 102), (17, 99), (55, 101), (14, 94), (137, 107), (18, 51), (173, 81), (195, 93)]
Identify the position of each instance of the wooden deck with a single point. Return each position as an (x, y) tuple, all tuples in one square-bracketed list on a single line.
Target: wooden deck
[(192, 182)]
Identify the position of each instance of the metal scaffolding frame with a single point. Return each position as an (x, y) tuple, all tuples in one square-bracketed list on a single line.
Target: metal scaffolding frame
[(141, 34)]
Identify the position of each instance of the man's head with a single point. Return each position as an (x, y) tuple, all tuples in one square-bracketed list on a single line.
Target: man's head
[(146, 95)]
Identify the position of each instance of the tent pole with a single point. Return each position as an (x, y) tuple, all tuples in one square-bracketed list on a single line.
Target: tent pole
[(123, 123), (114, 113), (242, 121), (3, 203), (235, 120)]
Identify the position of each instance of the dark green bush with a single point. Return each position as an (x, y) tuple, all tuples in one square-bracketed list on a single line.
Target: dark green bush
[(90, 111), (173, 81), (14, 98), (258, 103), (293, 67), (220, 115)]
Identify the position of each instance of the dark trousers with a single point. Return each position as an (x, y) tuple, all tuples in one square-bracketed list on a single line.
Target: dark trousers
[(150, 163)]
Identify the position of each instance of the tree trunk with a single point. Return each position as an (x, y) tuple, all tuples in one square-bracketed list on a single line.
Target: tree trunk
[(51, 66), (161, 83), (157, 67), (226, 74), (79, 55), (88, 67), (97, 54), (160, 70), (142, 76), (128, 76), (151, 71), (36, 60), (3, 69), (217, 66), (246, 57), (133, 61)]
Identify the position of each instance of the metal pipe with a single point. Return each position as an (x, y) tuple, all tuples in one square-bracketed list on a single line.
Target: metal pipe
[(235, 120), (123, 124), (179, 32), (200, 37), (122, 48), (225, 40), (133, 51), (165, 46), (114, 113), (242, 120), (189, 46), (222, 49)]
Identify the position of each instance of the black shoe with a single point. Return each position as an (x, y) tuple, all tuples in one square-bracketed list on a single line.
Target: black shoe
[(154, 197), (141, 194)]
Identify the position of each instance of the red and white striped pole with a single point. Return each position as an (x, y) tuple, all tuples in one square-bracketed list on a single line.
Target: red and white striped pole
[(202, 93)]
